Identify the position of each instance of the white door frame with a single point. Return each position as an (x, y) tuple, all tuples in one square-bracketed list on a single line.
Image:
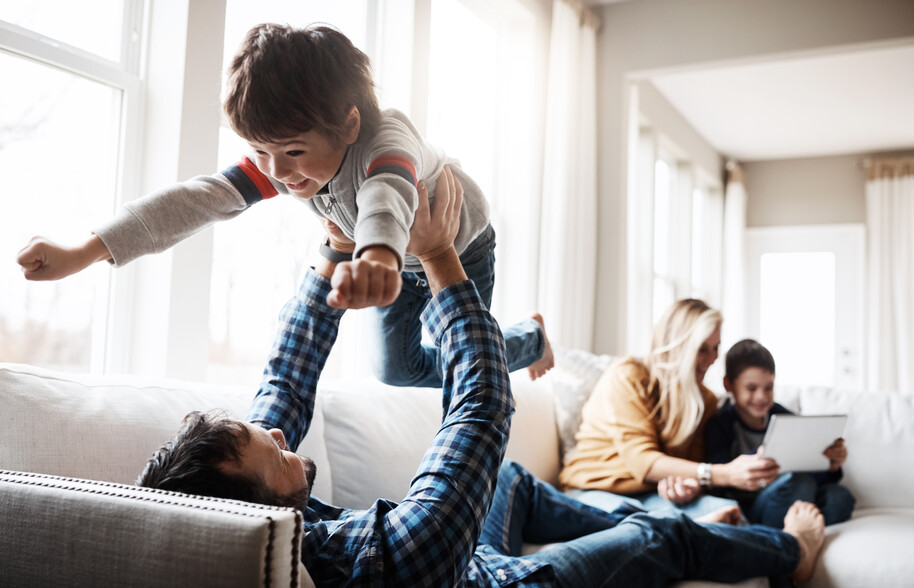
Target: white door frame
[(847, 242)]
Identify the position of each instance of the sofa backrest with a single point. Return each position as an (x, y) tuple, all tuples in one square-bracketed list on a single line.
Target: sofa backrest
[(376, 435), (107, 427), (880, 442)]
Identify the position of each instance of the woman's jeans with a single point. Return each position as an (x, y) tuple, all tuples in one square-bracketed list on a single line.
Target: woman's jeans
[(403, 360), (626, 547), (652, 502), (771, 504)]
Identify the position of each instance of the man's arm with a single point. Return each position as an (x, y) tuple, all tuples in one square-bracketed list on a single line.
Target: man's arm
[(430, 537)]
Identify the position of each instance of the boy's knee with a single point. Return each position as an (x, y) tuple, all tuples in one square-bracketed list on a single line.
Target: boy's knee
[(798, 483)]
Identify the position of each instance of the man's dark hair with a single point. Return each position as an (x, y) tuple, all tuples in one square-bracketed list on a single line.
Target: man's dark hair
[(746, 354), (284, 81), (190, 462)]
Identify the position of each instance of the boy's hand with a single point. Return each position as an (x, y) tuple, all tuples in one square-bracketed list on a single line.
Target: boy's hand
[(836, 454), (678, 490), (45, 260), (434, 230), (371, 280)]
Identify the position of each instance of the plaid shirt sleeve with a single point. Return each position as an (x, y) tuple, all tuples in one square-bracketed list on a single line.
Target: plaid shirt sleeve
[(428, 539), (308, 329)]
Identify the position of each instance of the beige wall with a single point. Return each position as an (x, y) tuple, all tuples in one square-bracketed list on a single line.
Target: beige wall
[(641, 36), (812, 191)]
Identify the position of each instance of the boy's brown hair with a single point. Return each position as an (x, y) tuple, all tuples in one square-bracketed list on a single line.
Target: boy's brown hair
[(746, 354), (284, 81)]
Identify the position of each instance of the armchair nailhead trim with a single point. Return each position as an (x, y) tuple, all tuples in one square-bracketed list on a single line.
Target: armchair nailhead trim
[(159, 496)]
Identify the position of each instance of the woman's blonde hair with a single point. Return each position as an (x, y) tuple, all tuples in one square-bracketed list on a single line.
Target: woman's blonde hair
[(678, 336)]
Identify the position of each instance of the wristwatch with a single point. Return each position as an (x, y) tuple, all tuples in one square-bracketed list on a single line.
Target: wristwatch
[(332, 254), (704, 474)]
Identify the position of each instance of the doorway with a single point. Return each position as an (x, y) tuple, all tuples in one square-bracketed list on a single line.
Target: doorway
[(804, 301)]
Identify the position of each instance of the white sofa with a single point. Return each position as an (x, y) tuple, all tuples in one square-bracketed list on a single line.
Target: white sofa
[(71, 446)]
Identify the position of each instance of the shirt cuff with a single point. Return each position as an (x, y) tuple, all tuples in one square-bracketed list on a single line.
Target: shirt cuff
[(458, 299), (313, 294)]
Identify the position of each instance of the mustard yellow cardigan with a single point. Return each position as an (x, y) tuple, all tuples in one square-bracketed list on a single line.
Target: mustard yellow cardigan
[(618, 443)]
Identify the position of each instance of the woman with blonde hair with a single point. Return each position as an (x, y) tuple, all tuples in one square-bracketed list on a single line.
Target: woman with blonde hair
[(641, 438)]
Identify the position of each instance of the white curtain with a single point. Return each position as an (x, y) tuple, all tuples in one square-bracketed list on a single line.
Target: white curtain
[(733, 304), (890, 283), (568, 245)]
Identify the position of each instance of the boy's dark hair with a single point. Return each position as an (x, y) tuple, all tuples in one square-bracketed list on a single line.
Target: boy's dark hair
[(746, 354), (190, 462), (284, 81)]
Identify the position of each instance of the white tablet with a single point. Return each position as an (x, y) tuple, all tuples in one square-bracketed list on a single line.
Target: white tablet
[(796, 442)]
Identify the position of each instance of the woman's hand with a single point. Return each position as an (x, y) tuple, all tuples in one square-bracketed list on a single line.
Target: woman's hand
[(836, 454), (678, 490), (747, 472)]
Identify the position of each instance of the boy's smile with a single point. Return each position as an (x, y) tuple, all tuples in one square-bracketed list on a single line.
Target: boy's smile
[(305, 163), (753, 396)]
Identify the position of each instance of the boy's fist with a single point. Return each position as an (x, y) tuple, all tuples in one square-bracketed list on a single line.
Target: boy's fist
[(42, 259), (362, 282)]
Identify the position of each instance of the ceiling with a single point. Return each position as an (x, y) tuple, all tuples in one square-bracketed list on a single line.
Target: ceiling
[(856, 102)]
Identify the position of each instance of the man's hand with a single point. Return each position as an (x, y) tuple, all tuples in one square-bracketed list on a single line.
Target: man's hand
[(338, 240), (836, 454), (678, 490), (42, 259), (433, 231), (431, 238)]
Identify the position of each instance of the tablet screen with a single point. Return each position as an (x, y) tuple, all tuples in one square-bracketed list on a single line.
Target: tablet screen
[(796, 442)]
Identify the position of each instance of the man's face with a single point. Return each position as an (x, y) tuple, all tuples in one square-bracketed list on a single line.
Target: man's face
[(305, 163), (267, 458)]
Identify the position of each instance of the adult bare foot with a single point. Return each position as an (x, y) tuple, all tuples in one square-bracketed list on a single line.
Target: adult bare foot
[(806, 523), (728, 515), (546, 362)]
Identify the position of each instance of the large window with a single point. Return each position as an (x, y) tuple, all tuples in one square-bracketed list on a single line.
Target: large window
[(65, 118), (675, 231)]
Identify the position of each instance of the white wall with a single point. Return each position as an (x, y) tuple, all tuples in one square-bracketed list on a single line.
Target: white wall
[(643, 36)]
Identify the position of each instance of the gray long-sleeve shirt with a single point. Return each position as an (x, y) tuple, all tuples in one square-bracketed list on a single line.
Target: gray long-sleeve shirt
[(372, 198)]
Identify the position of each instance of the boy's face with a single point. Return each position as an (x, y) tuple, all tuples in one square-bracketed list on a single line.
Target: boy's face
[(305, 163), (753, 395)]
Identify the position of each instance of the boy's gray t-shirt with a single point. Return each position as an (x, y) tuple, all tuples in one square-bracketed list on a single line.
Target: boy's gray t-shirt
[(372, 198)]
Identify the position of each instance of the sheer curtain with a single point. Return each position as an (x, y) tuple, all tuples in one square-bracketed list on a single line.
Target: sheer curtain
[(890, 263), (733, 306), (567, 272)]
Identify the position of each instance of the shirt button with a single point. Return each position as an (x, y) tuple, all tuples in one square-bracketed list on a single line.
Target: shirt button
[(501, 574)]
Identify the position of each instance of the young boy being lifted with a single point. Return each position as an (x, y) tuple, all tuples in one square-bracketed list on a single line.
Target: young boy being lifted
[(303, 99)]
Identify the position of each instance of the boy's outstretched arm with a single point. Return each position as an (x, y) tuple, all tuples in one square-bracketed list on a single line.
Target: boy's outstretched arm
[(42, 259)]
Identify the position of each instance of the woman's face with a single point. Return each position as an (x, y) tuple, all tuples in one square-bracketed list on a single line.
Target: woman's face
[(707, 354)]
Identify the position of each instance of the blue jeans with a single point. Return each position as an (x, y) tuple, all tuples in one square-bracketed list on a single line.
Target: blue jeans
[(651, 502), (771, 504), (403, 360), (626, 547)]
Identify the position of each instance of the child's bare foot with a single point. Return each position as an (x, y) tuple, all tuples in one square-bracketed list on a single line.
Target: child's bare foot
[(806, 523), (547, 360), (728, 515)]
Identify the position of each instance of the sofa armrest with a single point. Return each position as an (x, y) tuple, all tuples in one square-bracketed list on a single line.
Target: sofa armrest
[(70, 532)]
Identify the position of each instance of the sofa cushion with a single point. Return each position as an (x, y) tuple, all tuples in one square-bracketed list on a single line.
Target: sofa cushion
[(69, 532), (376, 435), (872, 549), (879, 438), (107, 427)]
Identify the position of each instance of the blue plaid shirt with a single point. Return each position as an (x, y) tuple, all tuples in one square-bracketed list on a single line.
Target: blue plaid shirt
[(430, 538)]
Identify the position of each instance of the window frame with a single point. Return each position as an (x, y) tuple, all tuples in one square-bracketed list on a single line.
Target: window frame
[(125, 76)]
